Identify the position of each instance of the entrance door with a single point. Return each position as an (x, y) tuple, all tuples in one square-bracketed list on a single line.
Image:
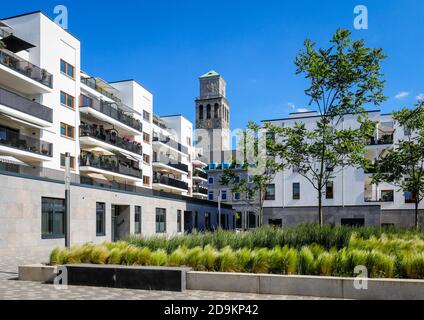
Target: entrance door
[(115, 214), (188, 221)]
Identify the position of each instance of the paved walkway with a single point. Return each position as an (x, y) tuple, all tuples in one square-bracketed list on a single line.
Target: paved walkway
[(12, 289)]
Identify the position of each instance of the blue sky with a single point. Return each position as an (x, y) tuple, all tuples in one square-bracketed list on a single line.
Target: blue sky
[(167, 45)]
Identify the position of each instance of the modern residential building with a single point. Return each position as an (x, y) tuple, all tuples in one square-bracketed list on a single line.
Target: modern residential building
[(132, 172), (350, 198)]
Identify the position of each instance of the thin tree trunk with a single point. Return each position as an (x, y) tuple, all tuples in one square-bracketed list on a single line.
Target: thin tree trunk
[(320, 213), (417, 224)]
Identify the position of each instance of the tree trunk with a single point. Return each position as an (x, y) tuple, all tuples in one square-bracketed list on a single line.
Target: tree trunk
[(320, 211), (417, 223)]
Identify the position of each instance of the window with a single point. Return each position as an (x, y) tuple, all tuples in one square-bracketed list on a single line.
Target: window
[(67, 100), (407, 131), (179, 222), (216, 111), (196, 220), (100, 219), (146, 137), (236, 196), (62, 161), (409, 197), (137, 220), (236, 179), (52, 218), (67, 69), (210, 195), (208, 225), (160, 220), (224, 195), (208, 111), (249, 179), (211, 180), (200, 112), (275, 222), (296, 191), (86, 101), (188, 141), (146, 180), (146, 115), (270, 192), (329, 190), (387, 195), (238, 223), (67, 130), (146, 158)]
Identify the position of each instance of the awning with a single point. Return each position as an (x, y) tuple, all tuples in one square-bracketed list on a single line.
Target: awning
[(97, 176), (101, 151), (25, 122), (105, 85), (13, 160), (16, 44), (129, 157), (4, 25)]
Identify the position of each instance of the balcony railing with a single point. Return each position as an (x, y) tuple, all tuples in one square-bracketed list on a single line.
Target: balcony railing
[(26, 68), (170, 162), (200, 174), (110, 164), (387, 139), (169, 142), (91, 82), (170, 182), (19, 103), (110, 137), (201, 190), (110, 110), (19, 141)]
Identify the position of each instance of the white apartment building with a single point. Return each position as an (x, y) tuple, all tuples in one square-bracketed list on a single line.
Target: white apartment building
[(132, 171), (351, 198)]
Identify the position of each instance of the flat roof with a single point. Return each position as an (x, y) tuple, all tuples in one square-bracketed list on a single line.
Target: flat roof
[(314, 116)]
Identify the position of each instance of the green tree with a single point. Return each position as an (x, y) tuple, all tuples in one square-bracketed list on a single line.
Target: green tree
[(342, 80), (257, 160), (403, 165)]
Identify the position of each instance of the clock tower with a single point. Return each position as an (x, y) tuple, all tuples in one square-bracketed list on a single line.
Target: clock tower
[(213, 118)]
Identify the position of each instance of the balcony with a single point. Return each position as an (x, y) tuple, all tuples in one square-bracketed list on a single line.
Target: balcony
[(164, 161), (112, 111), (110, 137), (26, 68), (200, 190), (167, 181), (384, 140), (26, 106), (200, 174), (14, 143), (378, 195), (92, 83), (110, 164), (158, 137)]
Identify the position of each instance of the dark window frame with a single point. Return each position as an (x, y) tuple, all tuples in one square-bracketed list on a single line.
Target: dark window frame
[(137, 219), (268, 196), (100, 219), (54, 205), (296, 195), (160, 212)]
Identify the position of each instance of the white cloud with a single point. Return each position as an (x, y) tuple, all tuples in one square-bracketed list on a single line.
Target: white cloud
[(291, 105), (302, 110), (402, 95), (420, 97)]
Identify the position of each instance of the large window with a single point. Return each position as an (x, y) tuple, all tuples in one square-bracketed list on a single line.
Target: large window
[(208, 224), (86, 101), (160, 220), (224, 195), (146, 137), (236, 196), (208, 111), (210, 195), (387, 195), (52, 218), (270, 192), (409, 197), (67, 130), (329, 190), (296, 191), (216, 111), (210, 180), (67, 69), (137, 220), (146, 180), (63, 162), (100, 219), (67, 100), (179, 222), (200, 112)]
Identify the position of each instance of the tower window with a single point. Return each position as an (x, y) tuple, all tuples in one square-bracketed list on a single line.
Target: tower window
[(216, 111), (201, 112), (208, 111)]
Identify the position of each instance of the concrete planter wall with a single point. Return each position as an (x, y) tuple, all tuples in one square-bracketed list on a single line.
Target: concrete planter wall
[(331, 287)]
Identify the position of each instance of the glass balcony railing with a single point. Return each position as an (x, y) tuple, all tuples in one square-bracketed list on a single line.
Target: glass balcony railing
[(92, 83), (170, 182), (110, 164), (110, 137), (201, 190), (13, 139), (114, 112), (200, 174), (169, 142), (170, 162), (26, 68), (22, 104)]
